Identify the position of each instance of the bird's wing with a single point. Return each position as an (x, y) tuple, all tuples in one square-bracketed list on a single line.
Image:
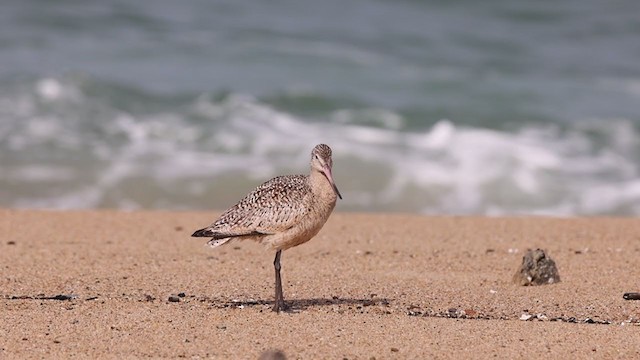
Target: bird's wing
[(274, 206)]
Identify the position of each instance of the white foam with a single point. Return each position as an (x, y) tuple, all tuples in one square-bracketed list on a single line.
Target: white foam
[(449, 168), (40, 173), (50, 89), (459, 160), (610, 197)]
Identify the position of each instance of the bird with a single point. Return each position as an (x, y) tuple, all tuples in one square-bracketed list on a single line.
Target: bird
[(283, 212)]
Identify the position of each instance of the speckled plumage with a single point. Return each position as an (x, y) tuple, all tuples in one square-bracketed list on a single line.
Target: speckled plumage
[(284, 212), (272, 207)]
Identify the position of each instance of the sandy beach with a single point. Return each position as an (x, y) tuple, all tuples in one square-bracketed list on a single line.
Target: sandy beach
[(97, 284)]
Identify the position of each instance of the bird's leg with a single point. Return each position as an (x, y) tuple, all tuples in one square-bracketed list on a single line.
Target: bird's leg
[(279, 303)]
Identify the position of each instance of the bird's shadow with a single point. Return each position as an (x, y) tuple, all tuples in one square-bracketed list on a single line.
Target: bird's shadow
[(294, 305)]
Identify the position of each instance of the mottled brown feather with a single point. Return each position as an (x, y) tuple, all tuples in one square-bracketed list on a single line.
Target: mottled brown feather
[(283, 212), (272, 207)]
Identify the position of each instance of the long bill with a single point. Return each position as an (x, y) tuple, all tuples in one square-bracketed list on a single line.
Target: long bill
[(327, 173)]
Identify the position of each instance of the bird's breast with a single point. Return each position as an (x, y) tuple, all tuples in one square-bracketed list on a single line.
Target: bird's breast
[(304, 230)]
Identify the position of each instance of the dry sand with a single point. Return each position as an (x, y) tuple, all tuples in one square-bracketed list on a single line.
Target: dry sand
[(383, 286)]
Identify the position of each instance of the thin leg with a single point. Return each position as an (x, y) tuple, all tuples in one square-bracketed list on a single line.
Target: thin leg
[(279, 303)]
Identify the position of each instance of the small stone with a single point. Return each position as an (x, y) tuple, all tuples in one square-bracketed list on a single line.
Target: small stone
[(174, 298), (182, 295), (542, 317), (525, 317), (453, 312), (470, 313), (11, 242), (272, 355), (631, 296), (394, 349), (536, 269)]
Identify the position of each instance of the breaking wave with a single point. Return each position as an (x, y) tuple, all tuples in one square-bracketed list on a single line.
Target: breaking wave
[(77, 143)]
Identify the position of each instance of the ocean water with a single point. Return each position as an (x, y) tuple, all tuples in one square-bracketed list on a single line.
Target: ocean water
[(434, 107)]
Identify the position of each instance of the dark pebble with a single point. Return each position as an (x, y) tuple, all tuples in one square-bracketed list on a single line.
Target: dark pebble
[(11, 242), (182, 294), (272, 355), (174, 298), (453, 312), (631, 296)]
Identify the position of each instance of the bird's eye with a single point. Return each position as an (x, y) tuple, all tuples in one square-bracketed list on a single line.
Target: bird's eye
[(316, 157)]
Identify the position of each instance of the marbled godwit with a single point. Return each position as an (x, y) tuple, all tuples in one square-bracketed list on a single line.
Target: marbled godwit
[(284, 212)]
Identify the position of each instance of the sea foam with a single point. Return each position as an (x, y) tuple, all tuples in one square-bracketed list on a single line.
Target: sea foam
[(64, 148)]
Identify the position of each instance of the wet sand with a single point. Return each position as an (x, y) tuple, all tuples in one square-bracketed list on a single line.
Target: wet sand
[(97, 284)]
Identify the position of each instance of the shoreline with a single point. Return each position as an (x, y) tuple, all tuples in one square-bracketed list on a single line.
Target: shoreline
[(382, 285)]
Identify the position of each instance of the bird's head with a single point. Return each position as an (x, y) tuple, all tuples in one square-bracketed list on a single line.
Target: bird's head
[(321, 161)]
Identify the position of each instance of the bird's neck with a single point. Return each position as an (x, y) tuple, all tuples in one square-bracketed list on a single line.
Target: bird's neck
[(321, 187)]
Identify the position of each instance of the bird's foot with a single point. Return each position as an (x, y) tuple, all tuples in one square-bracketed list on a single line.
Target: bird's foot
[(280, 306)]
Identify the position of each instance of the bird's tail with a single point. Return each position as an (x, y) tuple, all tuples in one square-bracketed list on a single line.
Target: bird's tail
[(206, 232), (218, 242), (217, 238)]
